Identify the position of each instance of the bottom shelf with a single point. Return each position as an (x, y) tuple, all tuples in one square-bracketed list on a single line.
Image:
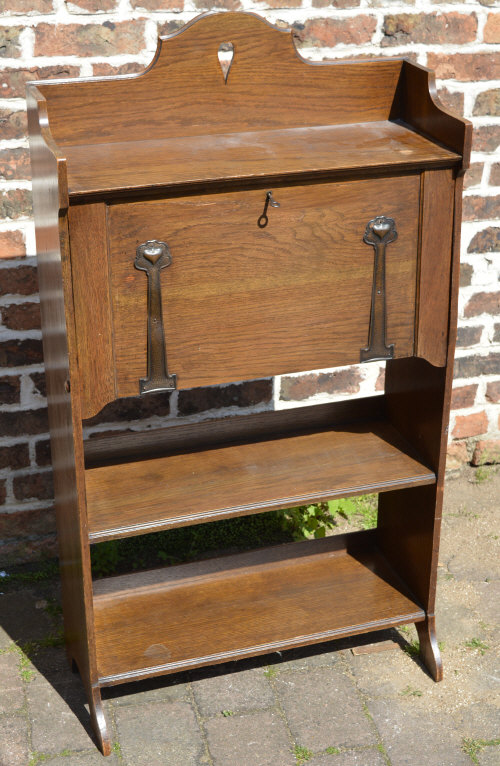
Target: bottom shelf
[(235, 606)]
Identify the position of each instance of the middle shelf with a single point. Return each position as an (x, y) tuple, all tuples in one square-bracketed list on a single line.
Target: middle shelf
[(267, 461)]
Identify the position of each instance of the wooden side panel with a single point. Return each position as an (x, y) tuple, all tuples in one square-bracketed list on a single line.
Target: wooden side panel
[(243, 302), (56, 304), (184, 92), (435, 266), (244, 605), (418, 403), (94, 334)]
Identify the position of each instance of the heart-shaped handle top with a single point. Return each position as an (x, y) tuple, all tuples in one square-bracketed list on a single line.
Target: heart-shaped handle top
[(153, 251)]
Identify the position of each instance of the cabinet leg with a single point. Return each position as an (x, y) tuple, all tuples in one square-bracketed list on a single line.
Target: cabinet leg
[(99, 721), (429, 649)]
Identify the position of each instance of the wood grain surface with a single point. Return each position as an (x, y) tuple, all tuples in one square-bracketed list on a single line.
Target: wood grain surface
[(251, 603), (325, 150), (176, 490), (242, 302), (435, 266)]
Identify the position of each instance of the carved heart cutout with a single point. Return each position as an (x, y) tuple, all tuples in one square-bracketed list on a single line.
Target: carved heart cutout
[(225, 55)]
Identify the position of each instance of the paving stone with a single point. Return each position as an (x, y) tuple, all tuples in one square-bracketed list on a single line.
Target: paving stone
[(12, 694), (237, 692), (168, 688), (479, 721), (388, 675), (21, 621), (86, 759), (413, 738), (490, 756), (13, 741), (368, 757), (55, 723), (489, 601), (314, 656), (160, 734), (323, 709), (255, 739), (454, 618)]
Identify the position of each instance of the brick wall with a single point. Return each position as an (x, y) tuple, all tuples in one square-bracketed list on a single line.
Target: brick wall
[(54, 38)]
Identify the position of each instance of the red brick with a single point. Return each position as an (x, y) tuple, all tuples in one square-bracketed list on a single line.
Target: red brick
[(495, 174), (11, 246), (330, 32), (486, 138), (13, 124), (39, 383), (473, 175), (380, 384), (15, 164), (15, 456), (304, 386), (493, 391), (488, 102), (18, 281), (24, 422), (235, 395), (10, 389), (170, 27), (483, 303), (3, 492), (335, 3), (23, 7), (29, 550), (429, 28), (466, 67), (38, 486), (10, 46), (158, 5), (470, 425), (486, 451), (21, 316), (208, 5), (22, 523), (470, 366), (15, 203), (452, 100), (463, 397), (90, 6), (16, 353), (485, 241), (105, 70), (456, 455), (466, 272), (132, 408), (469, 336), (106, 39), (42, 451), (476, 208), (13, 81), (492, 28)]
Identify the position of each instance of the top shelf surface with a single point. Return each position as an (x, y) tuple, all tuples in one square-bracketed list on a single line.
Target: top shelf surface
[(134, 166)]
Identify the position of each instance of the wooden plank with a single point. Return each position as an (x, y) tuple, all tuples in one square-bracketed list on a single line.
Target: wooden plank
[(239, 479), (168, 163), (65, 421), (242, 302), (124, 446), (184, 93), (94, 330), (246, 604), (435, 266)]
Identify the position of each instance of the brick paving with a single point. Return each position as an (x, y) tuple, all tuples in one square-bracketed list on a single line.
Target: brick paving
[(320, 706)]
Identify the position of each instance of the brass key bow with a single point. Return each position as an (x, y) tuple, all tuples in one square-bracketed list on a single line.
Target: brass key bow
[(153, 256)]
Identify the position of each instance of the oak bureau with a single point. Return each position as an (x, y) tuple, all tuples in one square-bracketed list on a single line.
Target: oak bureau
[(199, 224)]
